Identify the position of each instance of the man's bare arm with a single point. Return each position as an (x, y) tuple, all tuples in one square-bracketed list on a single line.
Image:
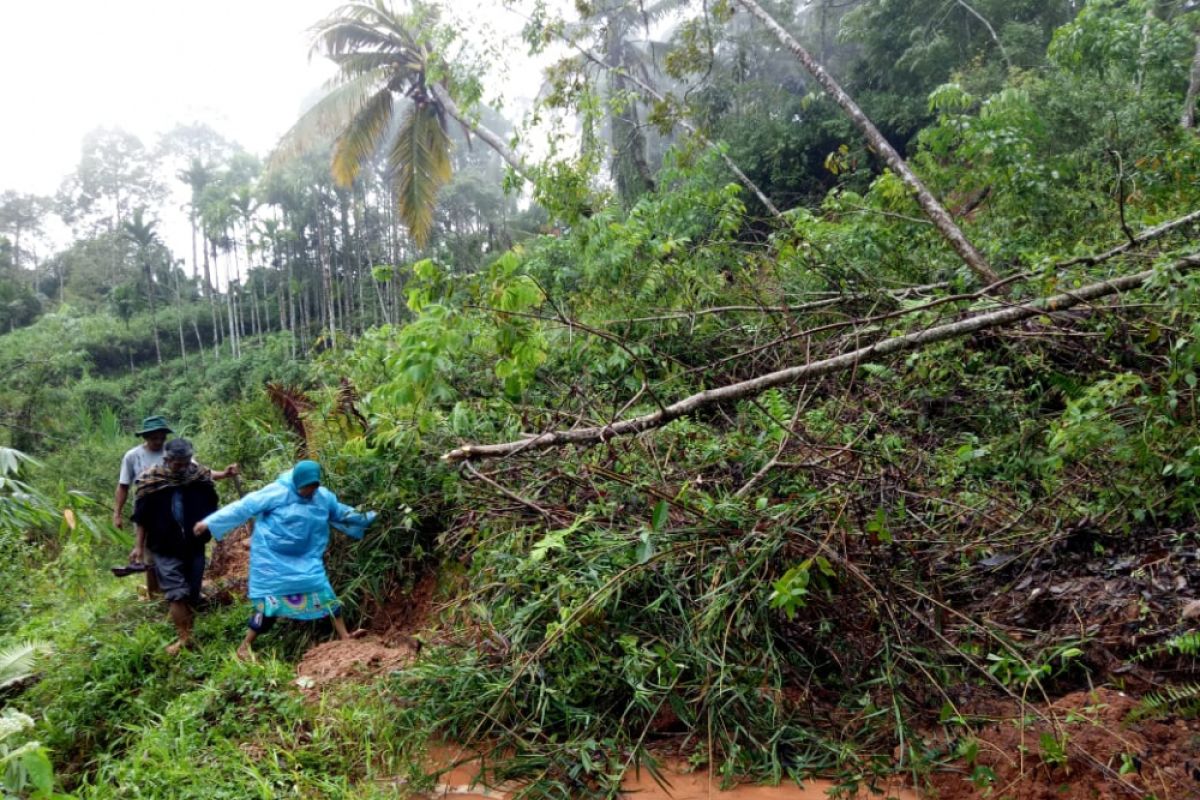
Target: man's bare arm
[(119, 504)]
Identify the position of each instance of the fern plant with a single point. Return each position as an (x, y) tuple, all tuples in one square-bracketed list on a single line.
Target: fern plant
[(1185, 644), (1183, 700)]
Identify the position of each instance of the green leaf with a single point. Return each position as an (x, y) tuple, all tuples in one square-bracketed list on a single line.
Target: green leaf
[(39, 770), (658, 519), (645, 548)]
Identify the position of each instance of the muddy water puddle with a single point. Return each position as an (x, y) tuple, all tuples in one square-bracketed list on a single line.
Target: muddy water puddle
[(682, 785)]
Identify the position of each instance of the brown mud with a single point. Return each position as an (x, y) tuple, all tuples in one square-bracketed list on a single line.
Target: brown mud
[(352, 659), (388, 645), (1110, 600), (229, 567), (677, 783)]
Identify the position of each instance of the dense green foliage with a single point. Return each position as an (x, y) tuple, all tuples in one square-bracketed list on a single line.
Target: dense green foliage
[(775, 584)]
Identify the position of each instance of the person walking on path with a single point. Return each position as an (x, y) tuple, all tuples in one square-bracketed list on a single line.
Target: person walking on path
[(148, 454), (292, 517), (171, 498)]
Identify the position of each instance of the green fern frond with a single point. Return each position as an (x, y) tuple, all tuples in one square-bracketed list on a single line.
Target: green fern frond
[(361, 138), (17, 662), (419, 161), (1185, 644), (1173, 699)]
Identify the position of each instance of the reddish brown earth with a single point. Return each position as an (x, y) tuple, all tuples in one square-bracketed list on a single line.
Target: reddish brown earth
[(351, 659), (229, 567), (1105, 757), (388, 646), (1112, 597), (1116, 597)]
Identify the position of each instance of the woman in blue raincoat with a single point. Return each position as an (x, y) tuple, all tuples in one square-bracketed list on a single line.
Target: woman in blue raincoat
[(291, 531)]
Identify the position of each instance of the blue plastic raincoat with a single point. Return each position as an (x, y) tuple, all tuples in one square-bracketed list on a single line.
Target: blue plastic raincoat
[(290, 535)]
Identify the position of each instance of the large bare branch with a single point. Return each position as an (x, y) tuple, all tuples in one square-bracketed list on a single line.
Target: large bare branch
[(486, 134), (735, 391), (929, 204), (1145, 236)]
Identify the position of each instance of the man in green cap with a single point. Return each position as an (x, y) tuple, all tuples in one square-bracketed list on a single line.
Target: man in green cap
[(148, 454)]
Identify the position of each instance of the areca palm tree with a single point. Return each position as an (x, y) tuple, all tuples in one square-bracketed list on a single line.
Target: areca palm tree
[(144, 237), (391, 93), (198, 176)]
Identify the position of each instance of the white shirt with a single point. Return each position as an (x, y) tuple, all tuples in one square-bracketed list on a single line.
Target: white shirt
[(138, 460)]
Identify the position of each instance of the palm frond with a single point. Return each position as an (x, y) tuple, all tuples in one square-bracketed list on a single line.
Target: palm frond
[(17, 662), (362, 137), (351, 65), (329, 116), (419, 163), (362, 27)]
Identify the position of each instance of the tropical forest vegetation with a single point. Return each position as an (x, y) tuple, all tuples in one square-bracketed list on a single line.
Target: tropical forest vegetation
[(799, 393)]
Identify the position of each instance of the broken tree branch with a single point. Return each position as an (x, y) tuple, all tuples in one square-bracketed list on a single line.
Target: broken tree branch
[(929, 204), (1140, 239), (848, 360)]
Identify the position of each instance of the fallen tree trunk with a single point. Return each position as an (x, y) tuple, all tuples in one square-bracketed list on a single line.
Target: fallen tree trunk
[(929, 204), (754, 386)]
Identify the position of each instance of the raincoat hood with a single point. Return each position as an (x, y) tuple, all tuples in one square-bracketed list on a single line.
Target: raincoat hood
[(305, 473)]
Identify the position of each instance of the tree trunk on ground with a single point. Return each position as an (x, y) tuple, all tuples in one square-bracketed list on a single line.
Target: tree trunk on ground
[(846, 361), (929, 204)]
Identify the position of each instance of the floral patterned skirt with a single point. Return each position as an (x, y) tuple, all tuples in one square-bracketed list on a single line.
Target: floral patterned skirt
[(310, 605)]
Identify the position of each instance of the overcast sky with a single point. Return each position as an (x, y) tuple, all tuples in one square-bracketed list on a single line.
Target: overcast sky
[(241, 66)]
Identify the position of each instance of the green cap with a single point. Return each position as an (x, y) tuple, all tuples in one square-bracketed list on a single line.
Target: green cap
[(152, 424)]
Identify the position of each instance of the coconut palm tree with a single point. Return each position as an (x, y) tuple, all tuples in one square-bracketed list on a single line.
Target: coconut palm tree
[(392, 93)]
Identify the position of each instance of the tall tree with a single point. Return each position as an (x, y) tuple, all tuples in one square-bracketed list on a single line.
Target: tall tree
[(115, 175), (147, 247), (628, 57), (21, 217), (384, 56)]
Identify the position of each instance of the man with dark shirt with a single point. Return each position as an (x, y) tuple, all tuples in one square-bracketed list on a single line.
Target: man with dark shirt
[(171, 498)]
